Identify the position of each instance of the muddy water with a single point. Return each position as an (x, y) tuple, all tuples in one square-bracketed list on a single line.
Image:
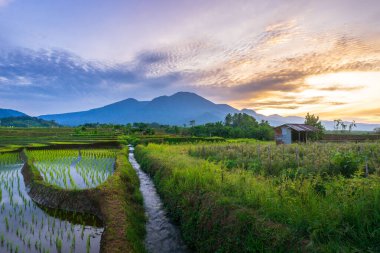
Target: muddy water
[(162, 236)]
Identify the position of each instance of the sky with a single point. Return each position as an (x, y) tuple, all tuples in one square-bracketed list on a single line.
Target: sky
[(275, 57)]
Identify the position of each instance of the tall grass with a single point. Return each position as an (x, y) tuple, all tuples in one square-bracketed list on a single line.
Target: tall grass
[(272, 160), (224, 208)]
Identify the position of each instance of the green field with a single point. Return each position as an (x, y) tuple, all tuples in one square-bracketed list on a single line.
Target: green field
[(226, 195), (71, 169), (239, 197), (78, 198), (17, 138)]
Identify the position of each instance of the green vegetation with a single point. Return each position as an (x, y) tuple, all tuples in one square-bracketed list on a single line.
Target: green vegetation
[(117, 201), (28, 228), (234, 197), (267, 159), (18, 138), (26, 121), (238, 125), (123, 207), (72, 170), (171, 139), (313, 120)]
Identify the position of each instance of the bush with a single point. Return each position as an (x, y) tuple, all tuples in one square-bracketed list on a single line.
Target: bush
[(346, 163)]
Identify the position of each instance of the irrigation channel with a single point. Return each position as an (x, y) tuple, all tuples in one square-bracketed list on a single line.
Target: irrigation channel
[(161, 235), (27, 227)]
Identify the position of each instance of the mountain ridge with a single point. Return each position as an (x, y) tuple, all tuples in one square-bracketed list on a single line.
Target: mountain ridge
[(7, 113), (177, 109)]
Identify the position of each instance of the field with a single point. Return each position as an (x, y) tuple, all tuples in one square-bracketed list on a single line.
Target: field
[(26, 227), (314, 197), (17, 138), (71, 169), (226, 195), (69, 200)]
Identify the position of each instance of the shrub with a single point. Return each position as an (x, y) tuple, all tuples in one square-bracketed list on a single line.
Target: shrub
[(346, 163)]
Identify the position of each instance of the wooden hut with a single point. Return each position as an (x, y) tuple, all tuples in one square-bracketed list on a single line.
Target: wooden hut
[(291, 133)]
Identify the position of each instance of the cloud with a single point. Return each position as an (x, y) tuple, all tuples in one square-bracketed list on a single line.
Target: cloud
[(264, 68), (341, 88), (60, 76), (278, 81), (4, 3)]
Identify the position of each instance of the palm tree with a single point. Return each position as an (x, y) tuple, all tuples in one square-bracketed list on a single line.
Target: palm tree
[(352, 125), (337, 123), (343, 126)]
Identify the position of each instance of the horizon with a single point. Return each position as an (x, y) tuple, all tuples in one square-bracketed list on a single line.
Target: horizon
[(324, 121), (272, 57)]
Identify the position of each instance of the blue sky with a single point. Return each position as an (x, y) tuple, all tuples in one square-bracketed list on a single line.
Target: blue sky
[(286, 57)]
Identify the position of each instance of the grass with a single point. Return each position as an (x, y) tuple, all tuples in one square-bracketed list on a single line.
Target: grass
[(268, 159), (123, 205), (225, 201)]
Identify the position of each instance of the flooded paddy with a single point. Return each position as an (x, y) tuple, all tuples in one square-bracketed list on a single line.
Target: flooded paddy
[(73, 169), (26, 227)]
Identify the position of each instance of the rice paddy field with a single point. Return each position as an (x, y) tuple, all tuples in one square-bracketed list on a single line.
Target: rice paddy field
[(18, 138), (73, 169), (259, 197), (27, 227)]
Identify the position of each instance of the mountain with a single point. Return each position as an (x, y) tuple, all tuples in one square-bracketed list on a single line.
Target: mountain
[(275, 119), (26, 121), (177, 109), (5, 113)]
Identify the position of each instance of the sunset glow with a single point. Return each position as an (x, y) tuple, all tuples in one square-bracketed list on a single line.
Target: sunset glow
[(275, 57)]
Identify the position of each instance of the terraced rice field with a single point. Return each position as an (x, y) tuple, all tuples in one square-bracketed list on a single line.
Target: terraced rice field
[(27, 227), (73, 169)]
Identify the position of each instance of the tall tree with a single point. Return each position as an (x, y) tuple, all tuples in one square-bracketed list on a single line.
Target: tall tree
[(337, 124), (352, 125), (228, 120), (313, 120)]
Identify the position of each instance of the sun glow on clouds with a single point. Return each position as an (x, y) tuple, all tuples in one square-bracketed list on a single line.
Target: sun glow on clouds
[(281, 57), (349, 95)]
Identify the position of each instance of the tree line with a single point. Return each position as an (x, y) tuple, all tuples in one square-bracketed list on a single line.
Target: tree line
[(238, 125)]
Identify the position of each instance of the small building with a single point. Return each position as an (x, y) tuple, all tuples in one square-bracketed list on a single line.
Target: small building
[(291, 133)]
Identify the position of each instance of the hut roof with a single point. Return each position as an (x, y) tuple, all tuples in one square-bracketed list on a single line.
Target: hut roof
[(300, 127)]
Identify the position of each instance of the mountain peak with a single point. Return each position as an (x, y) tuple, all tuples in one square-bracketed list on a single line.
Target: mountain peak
[(130, 100), (185, 93)]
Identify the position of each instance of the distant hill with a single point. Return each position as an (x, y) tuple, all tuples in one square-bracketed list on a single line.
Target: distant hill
[(177, 109), (26, 121), (5, 113)]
